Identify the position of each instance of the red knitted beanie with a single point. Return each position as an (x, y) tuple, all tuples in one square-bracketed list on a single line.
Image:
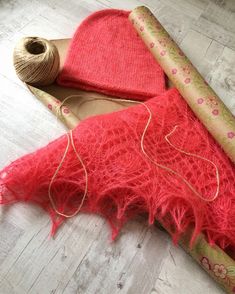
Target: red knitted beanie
[(106, 55)]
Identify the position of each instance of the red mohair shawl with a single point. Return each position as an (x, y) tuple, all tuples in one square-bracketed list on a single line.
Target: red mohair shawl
[(123, 182)]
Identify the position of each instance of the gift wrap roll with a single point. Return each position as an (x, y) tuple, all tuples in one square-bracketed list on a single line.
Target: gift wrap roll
[(204, 102), (62, 112), (219, 265), (211, 111)]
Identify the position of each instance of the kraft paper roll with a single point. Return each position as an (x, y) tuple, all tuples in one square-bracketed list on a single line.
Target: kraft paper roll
[(67, 117), (204, 102), (219, 265), (209, 109)]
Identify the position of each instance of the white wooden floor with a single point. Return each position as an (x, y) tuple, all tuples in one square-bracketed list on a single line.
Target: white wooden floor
[(81, 259)]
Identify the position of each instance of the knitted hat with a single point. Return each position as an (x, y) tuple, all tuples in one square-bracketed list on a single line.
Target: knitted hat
[(106, 55)]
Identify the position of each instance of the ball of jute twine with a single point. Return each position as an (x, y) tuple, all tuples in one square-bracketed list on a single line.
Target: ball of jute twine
[(36, 61)]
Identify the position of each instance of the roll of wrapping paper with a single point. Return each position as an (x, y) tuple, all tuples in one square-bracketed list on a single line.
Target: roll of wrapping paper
[(211, 111), (66, 116), (211, 258), (219, 265), (204, 102)]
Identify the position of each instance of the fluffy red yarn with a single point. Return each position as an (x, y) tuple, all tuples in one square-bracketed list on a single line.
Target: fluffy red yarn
[(106, 55), (123, 182)]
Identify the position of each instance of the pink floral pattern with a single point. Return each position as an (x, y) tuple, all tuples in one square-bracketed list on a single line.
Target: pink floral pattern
[(205, 262), (200, 100), (49, 106), (162, 42), (174, 71), (220, 271), (163, 52), (151, 45), (186, 69), (187, 80), (211, 101), (66, 110), (141, 17), (231, 135), (215, 111)]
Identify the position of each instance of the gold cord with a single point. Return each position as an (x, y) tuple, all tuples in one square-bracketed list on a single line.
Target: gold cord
[(203, 158), (70, 141), (120, 101)]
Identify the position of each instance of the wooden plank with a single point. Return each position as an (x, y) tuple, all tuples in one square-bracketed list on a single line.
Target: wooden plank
[(177, 23), (222, 15), (195, 46), (35, 252), (9, 236), (15, 15), (130, 265), (218, 24), (190, 8), (179, 274), (222, 78)]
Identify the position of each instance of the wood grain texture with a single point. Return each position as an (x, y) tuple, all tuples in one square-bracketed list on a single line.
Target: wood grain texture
[(81, 258)]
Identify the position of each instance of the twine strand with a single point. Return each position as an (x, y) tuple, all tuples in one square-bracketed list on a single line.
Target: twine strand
[(70, 142)]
